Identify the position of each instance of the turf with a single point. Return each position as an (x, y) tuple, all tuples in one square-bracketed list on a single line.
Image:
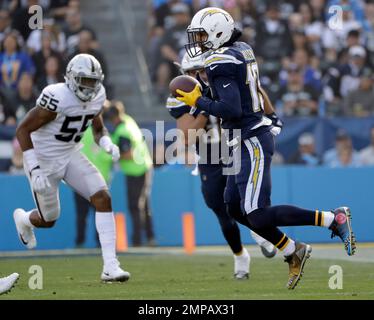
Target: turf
[(186, 277)]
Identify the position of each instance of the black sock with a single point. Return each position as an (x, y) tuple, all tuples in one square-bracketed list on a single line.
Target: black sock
[(279, 216), (229, 229)]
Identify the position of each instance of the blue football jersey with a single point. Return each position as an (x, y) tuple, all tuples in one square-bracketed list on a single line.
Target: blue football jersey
[(234, 81)]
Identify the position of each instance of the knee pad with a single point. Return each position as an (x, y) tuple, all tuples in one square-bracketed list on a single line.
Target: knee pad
[(50, 215)]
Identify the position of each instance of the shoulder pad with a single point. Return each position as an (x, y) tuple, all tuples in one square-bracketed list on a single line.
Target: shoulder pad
[(52, 97), (101, 96), (221, 58)]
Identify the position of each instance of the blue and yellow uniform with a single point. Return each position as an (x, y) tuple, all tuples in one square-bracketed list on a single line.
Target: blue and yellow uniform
[(233, 77), (213, 181)]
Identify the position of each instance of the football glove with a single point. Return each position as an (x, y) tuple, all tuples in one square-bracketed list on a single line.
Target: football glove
[(190, 98), (39, 181), (277, 124), (109, 147)]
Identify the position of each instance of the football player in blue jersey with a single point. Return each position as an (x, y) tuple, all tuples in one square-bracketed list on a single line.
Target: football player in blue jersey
[(241, 103), (213, 181)]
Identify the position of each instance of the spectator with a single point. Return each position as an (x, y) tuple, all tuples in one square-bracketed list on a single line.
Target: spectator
[(24, 98), (335, 37), (87, 45), (343, 79), (20, 18), (16, 163), (312, 76), (164, 16), (4, 23), (273, 39), (13, 62), (342, 152), (249, 15), (306, 153), (52, 73), (359, 102), (367, 154), (74, 27), (346, 158), (172, 47), (136, 164), (46, 51), (353, 70), (297, 98), (6, 115), (58, 9), (58, 41)]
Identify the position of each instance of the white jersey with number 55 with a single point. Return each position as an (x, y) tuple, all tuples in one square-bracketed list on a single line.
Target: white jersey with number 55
[(55, 142)]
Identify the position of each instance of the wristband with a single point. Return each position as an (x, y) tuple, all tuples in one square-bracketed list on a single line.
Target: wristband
[(105, 142), (30, 159)]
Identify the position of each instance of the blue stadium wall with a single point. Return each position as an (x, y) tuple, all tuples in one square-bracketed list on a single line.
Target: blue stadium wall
[(176, 191)]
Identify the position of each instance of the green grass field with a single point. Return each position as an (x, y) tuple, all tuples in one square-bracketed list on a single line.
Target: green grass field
[(165, 276)]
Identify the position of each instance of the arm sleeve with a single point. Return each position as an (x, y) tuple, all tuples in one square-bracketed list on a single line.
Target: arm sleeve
[(228, 104)]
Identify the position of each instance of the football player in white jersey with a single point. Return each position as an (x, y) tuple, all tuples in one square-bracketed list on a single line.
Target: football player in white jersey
[(50, 136), (7, 283)]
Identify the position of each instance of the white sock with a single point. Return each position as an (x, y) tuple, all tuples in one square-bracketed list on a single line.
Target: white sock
[(328, 218), (26, 219), (289, 248), (106, 228), (242, 254)]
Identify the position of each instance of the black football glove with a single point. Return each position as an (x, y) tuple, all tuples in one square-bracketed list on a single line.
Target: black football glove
[(277, 124)]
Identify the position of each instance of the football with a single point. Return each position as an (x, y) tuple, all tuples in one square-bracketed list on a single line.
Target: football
[(184, 83)]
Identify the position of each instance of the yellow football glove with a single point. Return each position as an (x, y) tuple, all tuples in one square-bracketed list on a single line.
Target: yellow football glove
[(190, 98)]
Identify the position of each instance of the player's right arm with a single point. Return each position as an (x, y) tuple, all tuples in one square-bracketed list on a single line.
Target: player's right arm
[(34, 119), (45, 111)]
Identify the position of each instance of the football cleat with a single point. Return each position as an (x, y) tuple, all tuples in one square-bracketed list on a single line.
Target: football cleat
[(113, 273), (7, 283), (241, 265), (342, 227), (296, 263), (25, 233)]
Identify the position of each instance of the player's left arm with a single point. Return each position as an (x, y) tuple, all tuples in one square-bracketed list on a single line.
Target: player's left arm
[(102, 138)]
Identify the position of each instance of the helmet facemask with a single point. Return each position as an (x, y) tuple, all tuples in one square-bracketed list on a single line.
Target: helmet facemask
[(197, 42), (86, 87)]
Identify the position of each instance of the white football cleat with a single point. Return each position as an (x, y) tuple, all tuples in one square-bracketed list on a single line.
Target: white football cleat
[(25, 233), (242, 263), (112, 272), (7, 283), (268, 249)]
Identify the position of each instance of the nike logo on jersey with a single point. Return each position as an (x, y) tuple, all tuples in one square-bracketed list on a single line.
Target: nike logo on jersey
[(213, 67), (226, 85)]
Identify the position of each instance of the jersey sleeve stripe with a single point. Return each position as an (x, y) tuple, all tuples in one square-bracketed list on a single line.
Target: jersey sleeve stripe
[(221, 58)]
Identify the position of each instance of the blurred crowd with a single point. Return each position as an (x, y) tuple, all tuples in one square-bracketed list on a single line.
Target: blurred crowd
[(32, 59), (315, 57)]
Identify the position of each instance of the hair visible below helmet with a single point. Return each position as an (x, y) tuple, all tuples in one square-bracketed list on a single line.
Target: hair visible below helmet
[(215, 24), (84, 76)]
